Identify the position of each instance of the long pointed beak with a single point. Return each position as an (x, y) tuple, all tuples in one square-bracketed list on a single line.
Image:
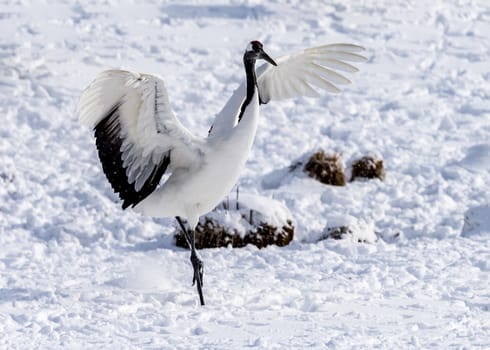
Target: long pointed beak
[(266, 57)]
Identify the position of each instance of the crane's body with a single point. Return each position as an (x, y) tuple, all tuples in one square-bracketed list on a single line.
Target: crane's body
[(192, 193), (139, 139)]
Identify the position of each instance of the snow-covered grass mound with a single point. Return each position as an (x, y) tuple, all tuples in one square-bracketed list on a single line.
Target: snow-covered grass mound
[(328, 169), (477, 221), (253, 219), (348, 227), (368, 167)]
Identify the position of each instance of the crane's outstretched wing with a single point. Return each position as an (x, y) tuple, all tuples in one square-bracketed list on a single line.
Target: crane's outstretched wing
[(305, 72), (300, 74), (137, 135)]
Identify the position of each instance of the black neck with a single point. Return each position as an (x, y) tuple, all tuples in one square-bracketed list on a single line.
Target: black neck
[(251, 83)]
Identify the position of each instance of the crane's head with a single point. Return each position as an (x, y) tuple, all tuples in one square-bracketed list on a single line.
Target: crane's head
[(255, 51)]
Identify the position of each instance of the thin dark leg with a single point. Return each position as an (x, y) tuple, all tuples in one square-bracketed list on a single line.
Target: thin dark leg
[(198, 267), (196, 262), (184, 230)]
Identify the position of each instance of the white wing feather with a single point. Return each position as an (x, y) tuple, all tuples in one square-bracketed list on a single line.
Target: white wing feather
[(306, 72), (149, 128), (300, 74)]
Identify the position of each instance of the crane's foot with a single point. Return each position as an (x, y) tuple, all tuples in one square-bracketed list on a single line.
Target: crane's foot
[(198, 274), (198, 269), (197, 264)]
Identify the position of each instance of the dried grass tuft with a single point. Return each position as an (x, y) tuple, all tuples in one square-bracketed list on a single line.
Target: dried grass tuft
[(327, 169), (210, 234), (346, 232), (368, 167)]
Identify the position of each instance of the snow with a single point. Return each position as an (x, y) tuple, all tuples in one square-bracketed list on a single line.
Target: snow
[(77, 272), (477, 221)]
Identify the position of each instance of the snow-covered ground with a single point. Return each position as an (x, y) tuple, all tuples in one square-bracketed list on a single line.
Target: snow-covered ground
[(76, 272)]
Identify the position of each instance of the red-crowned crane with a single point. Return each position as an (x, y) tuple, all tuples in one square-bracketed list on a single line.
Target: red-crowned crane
[(139, 139)]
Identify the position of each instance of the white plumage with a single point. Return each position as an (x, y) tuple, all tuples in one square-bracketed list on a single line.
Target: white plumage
[(139, 138), (149, 128), (299, 74)]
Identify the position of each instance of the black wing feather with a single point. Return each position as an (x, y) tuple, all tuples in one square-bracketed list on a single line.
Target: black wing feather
[(109, 142)]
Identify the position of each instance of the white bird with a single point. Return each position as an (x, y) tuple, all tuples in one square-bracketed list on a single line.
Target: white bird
[(139, 139)]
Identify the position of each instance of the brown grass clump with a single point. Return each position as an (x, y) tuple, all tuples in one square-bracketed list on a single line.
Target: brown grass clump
[(210, 234), (326, 169), (368, 167), (270, 235), (336, 232), (343, 232)]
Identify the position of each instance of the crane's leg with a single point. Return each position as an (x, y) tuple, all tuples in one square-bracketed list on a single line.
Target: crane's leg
[(196, 262)]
